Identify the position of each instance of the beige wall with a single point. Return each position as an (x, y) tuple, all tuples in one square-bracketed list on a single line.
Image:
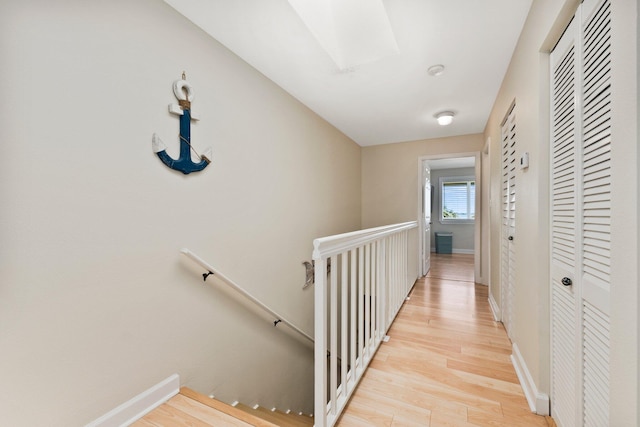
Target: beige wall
[(526, 83), (96, 302), (390, 176), (625, 303)]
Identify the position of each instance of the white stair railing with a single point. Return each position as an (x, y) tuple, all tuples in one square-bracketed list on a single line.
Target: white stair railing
[(355, 304)]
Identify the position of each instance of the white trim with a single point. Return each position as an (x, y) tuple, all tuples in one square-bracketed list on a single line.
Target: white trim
[(495, 309), (139, 406), (538, 402), (477, 228), (478, 220), (457, 251), (463, 251), (422, 268)]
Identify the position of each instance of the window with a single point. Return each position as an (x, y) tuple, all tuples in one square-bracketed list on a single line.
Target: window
[(457, 199)]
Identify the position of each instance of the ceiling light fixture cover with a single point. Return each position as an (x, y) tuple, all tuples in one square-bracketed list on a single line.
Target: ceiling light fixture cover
[(435, 70), (353, 32), (445, 118)]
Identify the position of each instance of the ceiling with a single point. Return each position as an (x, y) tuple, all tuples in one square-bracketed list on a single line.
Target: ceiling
[(388, 100), (453, 163)]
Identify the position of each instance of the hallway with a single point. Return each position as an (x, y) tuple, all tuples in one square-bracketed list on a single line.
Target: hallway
[(447, 362)]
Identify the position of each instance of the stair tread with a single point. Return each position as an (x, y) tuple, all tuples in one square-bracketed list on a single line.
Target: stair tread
[(279, 417), (237, 413), (181, 411), (190, 408)]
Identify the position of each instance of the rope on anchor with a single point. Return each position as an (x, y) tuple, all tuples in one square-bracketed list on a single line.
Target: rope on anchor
[(182, 138)]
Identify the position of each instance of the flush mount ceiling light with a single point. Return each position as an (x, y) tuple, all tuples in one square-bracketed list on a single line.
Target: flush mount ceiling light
[(353, 32), (445, 118), (435, 70)]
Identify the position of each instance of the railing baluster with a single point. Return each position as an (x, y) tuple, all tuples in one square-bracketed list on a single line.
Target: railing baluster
[(405, 259), (400, 294), (367, 302), (354, 313), (383, 289), (333, 333), (344, 322), (374, 293), (393, 289), (361, 296)]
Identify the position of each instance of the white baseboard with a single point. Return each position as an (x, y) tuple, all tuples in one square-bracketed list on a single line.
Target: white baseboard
[(538, 402), (458, 251), (139, 406), (495, 309), (463, 251)]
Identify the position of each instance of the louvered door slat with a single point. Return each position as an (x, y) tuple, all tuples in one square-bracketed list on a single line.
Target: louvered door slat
[(596, 363), (596, 210), (563, 342), (596, 159)]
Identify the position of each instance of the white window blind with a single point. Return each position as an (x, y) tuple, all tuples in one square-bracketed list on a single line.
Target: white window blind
[(458, 199)]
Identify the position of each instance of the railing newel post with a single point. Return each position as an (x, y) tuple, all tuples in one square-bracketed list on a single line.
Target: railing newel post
[(320, 351)]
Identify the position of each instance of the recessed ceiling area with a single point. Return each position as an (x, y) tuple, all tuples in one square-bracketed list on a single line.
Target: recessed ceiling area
[(392, 98), (452, 163)]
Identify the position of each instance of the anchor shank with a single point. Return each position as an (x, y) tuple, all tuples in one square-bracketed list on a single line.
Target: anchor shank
[(185, 135)]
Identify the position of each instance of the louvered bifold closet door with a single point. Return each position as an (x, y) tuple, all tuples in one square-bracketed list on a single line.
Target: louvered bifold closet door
[(507, 288), (596, 208), (581, 218), (564, 313)]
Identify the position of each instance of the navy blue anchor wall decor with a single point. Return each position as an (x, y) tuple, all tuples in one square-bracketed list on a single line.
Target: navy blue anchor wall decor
[(184, 93)]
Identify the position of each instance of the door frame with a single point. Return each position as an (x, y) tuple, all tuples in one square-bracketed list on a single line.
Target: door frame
[(477, 244)]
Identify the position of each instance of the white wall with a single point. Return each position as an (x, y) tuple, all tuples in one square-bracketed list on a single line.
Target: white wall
[(625, 303), (527, 82), (96, 303), (463, 234)]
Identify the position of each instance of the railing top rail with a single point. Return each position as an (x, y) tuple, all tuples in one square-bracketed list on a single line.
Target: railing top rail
[(246, 294), (332, 245)]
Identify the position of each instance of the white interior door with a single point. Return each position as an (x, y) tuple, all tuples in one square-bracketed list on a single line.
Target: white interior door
[(426, 217), (564, 233), (508, 256), (581, 218)]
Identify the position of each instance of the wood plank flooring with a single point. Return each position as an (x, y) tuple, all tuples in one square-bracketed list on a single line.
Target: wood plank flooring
[(192, 409), (447, 363)]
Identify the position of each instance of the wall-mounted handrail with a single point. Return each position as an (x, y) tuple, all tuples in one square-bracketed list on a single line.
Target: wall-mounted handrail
[(278, 318)]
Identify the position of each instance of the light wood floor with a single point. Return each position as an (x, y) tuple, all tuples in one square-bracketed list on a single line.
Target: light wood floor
[(447, 363), (192, 409)]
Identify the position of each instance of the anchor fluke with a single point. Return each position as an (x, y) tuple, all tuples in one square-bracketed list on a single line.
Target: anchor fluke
[(156, 144), (207, 155)]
